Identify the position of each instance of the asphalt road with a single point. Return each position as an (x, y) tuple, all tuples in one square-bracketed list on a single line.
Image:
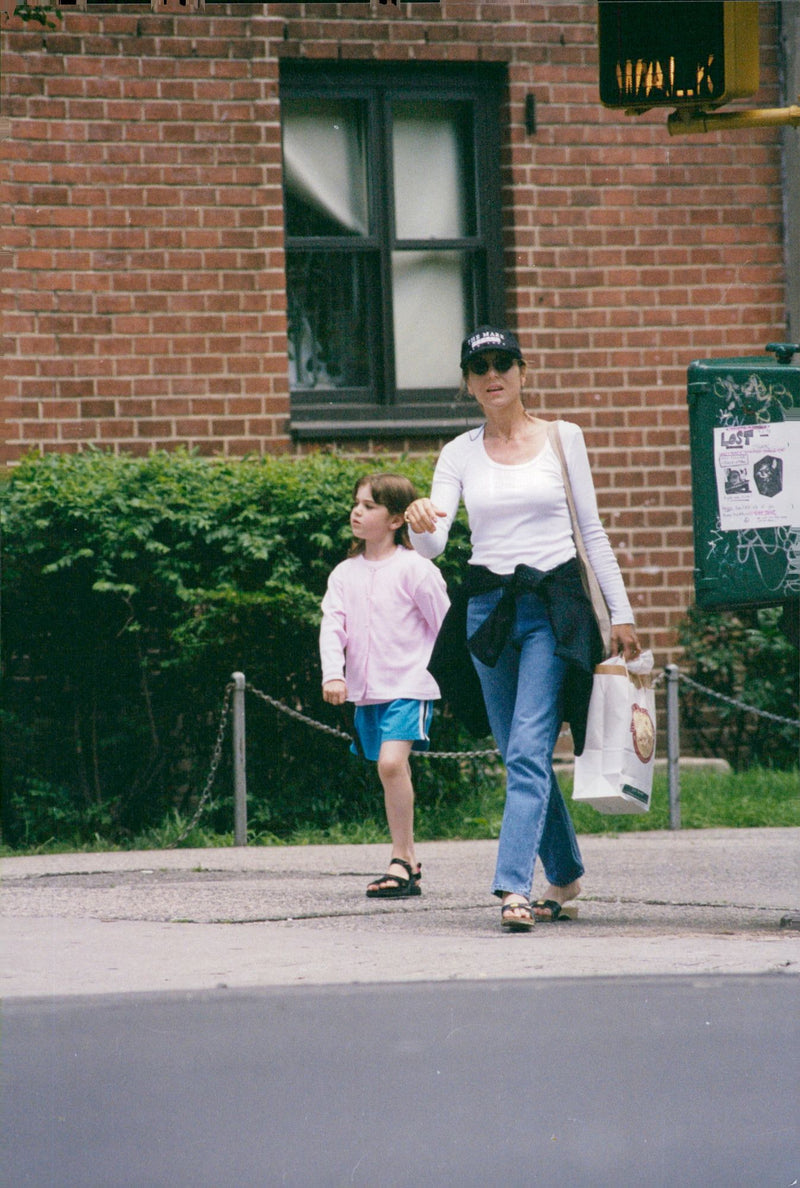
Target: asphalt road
[(657, 1082), (247, 1017)]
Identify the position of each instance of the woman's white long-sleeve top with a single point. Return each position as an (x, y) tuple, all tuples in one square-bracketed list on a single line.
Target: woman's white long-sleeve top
[(379, 623), (518, 514)]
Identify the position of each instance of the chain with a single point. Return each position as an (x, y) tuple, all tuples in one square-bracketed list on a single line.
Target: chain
[(738, 704), (456, 754), (216, 756), (292, 713), (657, 680)]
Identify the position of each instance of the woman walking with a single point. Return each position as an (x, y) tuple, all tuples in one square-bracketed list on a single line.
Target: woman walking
[(529, 624)]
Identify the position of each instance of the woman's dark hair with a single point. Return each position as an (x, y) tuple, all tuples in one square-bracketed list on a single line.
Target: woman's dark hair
[(392, 491)]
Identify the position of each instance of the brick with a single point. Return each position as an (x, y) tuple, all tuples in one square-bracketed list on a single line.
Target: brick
[(103, 409), (155, 429)]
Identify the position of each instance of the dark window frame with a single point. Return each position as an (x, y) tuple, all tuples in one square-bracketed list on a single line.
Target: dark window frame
[(325, 414)]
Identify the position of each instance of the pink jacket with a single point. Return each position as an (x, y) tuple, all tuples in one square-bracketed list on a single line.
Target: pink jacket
[(379, 623)]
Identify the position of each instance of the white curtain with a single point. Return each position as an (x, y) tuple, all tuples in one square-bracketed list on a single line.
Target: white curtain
[(428, 292), (428, 287), (323, 159), (428, 171)]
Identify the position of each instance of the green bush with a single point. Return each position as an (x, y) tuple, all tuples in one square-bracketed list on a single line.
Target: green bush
[(132, 589), (746, 656)]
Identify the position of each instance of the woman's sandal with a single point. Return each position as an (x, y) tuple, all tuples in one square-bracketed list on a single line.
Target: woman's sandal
[(392, 886), (513, 922), (557, 911)]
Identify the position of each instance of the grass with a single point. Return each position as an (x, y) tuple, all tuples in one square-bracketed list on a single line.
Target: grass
[(759, 798), (753, 799)]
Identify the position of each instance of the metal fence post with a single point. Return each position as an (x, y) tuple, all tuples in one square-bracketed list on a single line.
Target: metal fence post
[(673, 747), (239, 768)]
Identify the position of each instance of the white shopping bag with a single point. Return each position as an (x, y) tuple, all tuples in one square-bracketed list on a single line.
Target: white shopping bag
[(615, 771)]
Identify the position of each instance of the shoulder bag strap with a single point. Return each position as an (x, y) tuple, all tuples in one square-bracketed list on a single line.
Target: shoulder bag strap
[(590, 582)]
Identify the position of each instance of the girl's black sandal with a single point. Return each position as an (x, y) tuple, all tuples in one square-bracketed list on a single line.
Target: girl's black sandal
[(398, 887)]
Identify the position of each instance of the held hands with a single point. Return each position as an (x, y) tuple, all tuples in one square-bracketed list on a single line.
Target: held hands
[(421, 515), (334, 692), (625, 640)]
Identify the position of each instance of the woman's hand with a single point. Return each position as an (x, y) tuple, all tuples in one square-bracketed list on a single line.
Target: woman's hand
[(421, 515), (624, 640), (334, 692)]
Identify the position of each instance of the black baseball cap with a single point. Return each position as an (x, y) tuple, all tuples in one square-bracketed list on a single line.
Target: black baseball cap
[(488, 338)]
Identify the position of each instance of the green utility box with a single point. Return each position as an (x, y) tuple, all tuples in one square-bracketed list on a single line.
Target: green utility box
[(744, 425)]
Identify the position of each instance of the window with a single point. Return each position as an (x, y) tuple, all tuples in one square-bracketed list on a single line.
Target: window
[(393, 241)]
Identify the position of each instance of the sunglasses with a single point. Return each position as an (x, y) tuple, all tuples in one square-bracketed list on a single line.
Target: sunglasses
[(503, 361)]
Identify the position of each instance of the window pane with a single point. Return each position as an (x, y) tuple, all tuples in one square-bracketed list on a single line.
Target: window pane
[(324, 167), (429, 295), (328, 327), (432, 170)]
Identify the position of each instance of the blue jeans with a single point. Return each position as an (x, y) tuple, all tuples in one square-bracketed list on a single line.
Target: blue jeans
[(524, 704)]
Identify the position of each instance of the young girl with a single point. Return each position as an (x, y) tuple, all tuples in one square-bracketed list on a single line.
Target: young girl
[(380, 616)]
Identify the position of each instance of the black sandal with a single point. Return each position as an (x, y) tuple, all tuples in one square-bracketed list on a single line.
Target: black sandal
[(513, 923), (558, 911), (392, 886)]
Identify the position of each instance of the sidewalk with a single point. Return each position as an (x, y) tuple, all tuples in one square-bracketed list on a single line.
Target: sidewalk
[(694, 901)]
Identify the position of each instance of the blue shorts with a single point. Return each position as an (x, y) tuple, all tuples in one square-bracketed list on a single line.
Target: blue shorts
[(403, 720)]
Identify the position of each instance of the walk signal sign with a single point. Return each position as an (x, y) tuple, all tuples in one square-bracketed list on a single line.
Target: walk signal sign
[(677, 53)]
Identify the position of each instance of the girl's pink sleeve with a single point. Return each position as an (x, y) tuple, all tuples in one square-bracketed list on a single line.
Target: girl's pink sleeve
[(431, 598), (333, 631)]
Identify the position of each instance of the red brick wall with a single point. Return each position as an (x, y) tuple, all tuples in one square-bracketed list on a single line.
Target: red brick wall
[(143, 241), (143, 182)]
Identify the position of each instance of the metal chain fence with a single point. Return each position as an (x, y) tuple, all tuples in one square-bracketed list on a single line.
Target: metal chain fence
[(216, 756), (291, 713), (738, 704), (491, 753)]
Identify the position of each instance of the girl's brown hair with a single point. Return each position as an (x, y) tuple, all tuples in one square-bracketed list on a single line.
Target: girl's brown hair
[(392, 491)]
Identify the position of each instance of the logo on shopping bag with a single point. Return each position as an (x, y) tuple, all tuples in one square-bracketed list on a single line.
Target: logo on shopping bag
[(644, 733), (636, 794)]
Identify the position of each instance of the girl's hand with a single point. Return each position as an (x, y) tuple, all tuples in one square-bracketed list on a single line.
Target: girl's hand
[(421, 515), (334, 692), (625, 640)]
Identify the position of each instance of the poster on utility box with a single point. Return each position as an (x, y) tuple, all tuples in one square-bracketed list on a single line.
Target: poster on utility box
[(757, 471)]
